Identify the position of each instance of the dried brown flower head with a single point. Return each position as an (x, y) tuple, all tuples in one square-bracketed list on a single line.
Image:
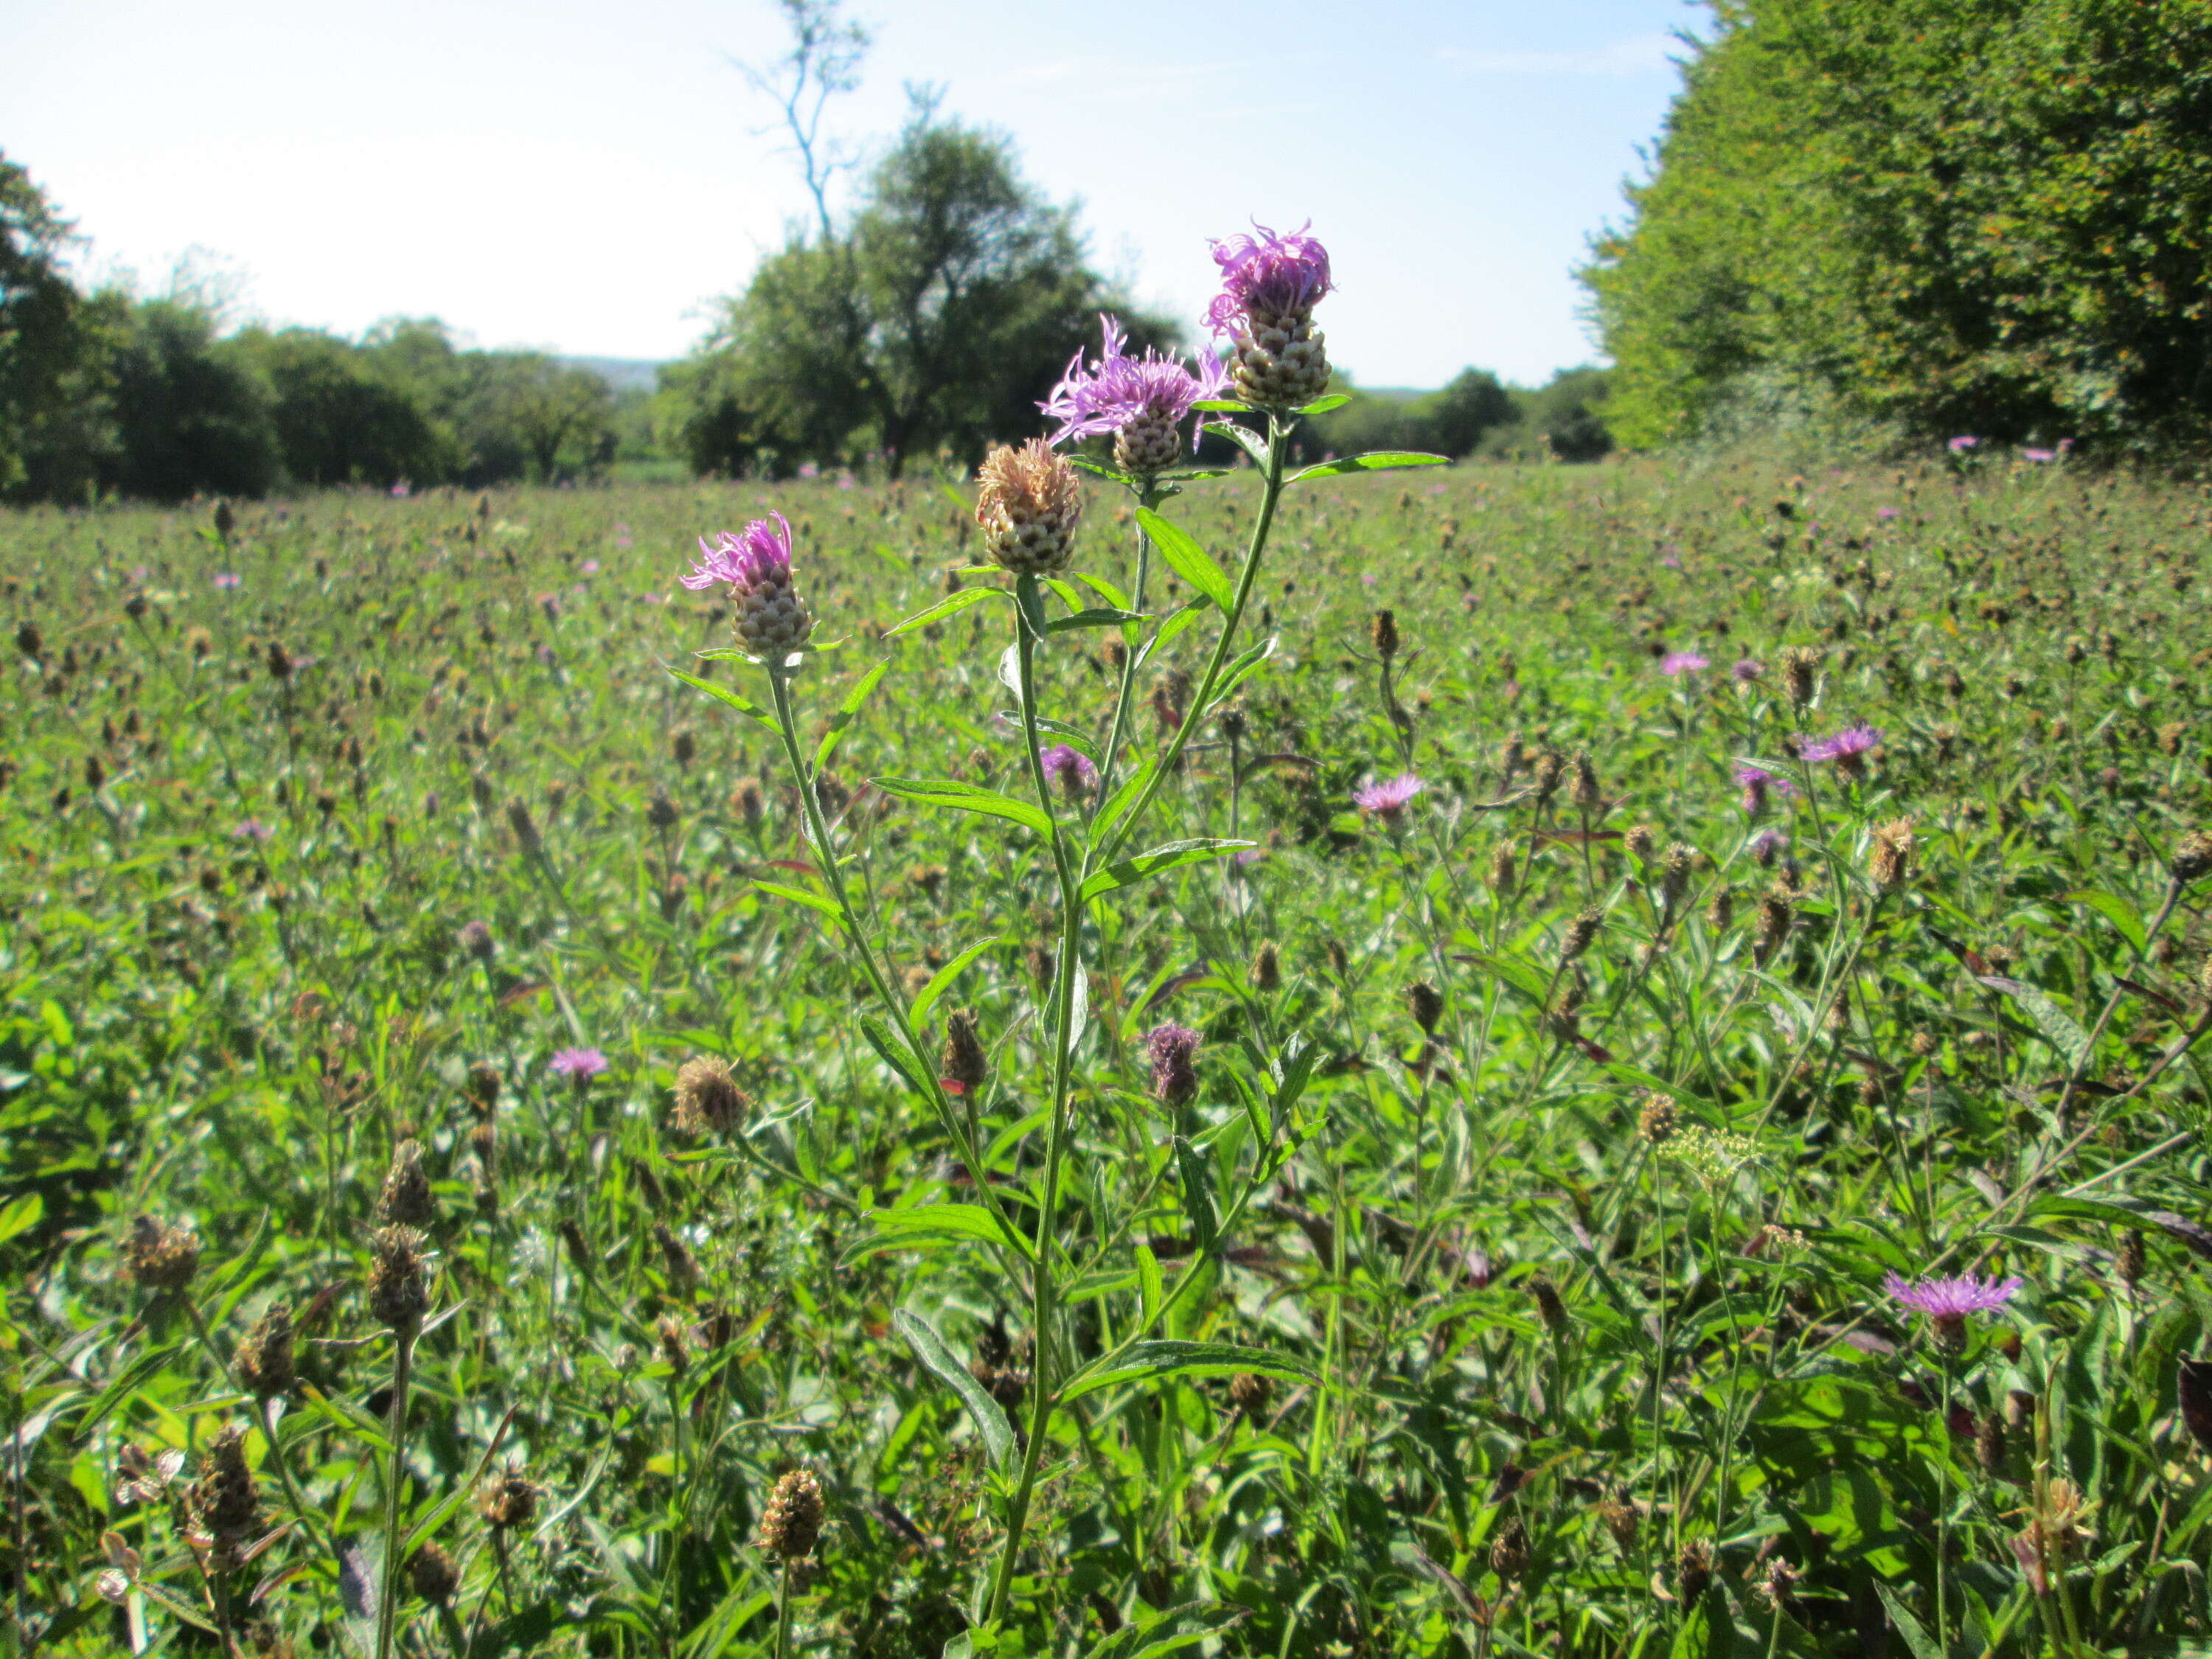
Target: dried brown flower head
[(793, 1521), (1027, 505), (708, 1097)]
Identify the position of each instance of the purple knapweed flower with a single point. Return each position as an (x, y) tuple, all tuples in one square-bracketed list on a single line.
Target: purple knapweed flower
[(1140, 400), (1887, 513), (1948, 1300), (402, 490), (579, 1066), (2039, 454), (772, 621), (1746, 669), (1272, 275), (810, 469), (228, 579), (1387, 800), (591, 566), (1069, 767), (1961, 443), (253, 830), (1766, 846), (475, 940), (1758, 783), (1172, 1048), (1847, 748), (1681, 662)]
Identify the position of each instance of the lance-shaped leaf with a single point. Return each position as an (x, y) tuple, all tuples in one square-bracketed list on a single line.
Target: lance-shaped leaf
[(1178, 1628), (1154, 1362), (1094, 617), (967, 797), (722, 694), (1322, 405), (1380, 460), (848, 712), (1187, 559), (990, 1420), (1172, 856), (800, 896), (941, 981), (901, 1228), (951, 605)]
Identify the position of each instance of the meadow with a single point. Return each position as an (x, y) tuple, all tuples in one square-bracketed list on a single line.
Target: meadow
[(1474, 1219)]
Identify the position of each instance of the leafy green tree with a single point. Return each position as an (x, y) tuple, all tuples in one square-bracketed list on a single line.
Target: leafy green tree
[(340, 416), (1984, 216), (1455, 421), (55, 428), (936, 319), (190, 416)]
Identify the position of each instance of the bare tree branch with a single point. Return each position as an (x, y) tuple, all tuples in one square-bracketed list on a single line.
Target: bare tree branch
[(825, 60)]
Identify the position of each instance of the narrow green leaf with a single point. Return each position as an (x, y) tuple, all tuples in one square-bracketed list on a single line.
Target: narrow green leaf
[(1194, 1165), (1380, 460), (1104, 589), (967, 797), (2058, 1027), (1099, 468), (722, 694), (1174, 856), (1151, 1362), (21, 1216), (1915, 1633), (1322, 405), (848, 711), (941, 981), (1125, 792), (1171, 1632), (990, 1420), (1294, 1070), (951, 605), (1152, 1285), (959, 1220), (801, 896), (1244, 437), (893, 1054), (2116, 910), (1187, 559), (1224, 406), (1095, 617)]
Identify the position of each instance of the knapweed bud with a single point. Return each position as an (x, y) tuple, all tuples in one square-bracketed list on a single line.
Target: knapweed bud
[(507, 1501), (399, 1288), (682, 747), (1890, 861), (1693, 1571), (661, 811), (750, 804), (1580, 934), (525, 827), (1172, 1048), (682, 1268), (771, 620), (2192, 857), (2131, 1259), (708, 1097), (265, 1357), (1509, 1550), (1505, 870), (1426, 1005), (1586, 796), (161, 1257), (1674, 874), (1267, 973), (407, 1199), (793, 1521), (1800, 667), (1776, 918), (1551, 767), (1641, 841), (1028, 504), (1384, 634), (432, 1575), (222, 1508), (1990, 1445), (1269, 286), (1658, 1122), (1249, 1393), (964, 1061), (1549, 1307)]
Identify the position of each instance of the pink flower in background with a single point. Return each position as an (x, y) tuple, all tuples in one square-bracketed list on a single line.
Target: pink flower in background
[(253, 830), (745, 559), (228, 579), (1387, 800), (590, 567), (1960, 445), (1069, 767), (1172, 1048), (1847, 744), (402, 490), (809, 469), (2039, 454), (1887, 512), (1948, 1300), (1681, 662), (579, 1066), (1746, 669), (845, 480)]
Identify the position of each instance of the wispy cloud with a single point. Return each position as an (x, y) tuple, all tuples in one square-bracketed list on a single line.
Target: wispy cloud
[(1637, 54)]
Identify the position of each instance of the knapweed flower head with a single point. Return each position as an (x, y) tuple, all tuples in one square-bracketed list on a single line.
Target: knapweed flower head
[(579, 1066), (252, 829), (1389, 799), (228, 579), (1681, 662), (1746, 669), (1960, 445), (1948, 1300), (1758, 783), (1171, 1049), (1028, 504), (1847, 748), (1069, 767), (2039, 454), (1142, 401), (1269, 286), (772, 620)]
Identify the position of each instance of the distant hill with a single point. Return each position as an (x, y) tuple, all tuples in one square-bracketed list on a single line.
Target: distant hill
[(622, 373)]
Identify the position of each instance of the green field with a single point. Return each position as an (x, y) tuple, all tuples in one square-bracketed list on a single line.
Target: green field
[(1560, 1328)]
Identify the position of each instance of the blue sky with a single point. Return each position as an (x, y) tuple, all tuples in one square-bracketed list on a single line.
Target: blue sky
[(586, 176)]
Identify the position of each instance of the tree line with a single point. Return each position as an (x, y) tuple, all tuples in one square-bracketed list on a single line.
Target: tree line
[(1984, 217)]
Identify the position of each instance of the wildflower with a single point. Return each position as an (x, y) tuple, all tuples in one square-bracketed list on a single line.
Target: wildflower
[(253, 830), (1426, 1005), (1886, 513), (228, 579), (1948, 1300), (708, 1097), (1387, 800), (508, 1501), (1141, 400), (407, 1199), (772, 620), (1798, 665), (1746, 670), (1586, 794), (1693, 1570), (475, 940), (1249, 1392), (1069, 767), (398, 1293), (793, 1521), (1709, 1153), (1892, 859), (1269, 286), (432, 1575), (1383, 633), (222, 1508), (1847, 748), (1509, 1551), (1658, 1121), (161, 1257), (2039, 454), (579, 1066), (1681, 662), (1028, 504), (1758, 783), (1960, 445), (265, 1357), (2192, 857), (1266, 973), (1766, 846), (964, 1065), (1172, 1048)]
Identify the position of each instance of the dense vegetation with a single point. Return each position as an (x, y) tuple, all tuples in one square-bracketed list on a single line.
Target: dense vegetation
[(1985, 217), (1590, 1096)]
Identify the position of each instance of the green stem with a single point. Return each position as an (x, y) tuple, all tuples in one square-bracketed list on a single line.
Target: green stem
[(1147, 497), (387, 1590)]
